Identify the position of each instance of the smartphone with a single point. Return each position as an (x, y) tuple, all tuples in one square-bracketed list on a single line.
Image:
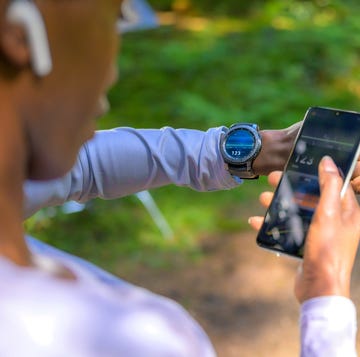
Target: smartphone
[(325, 131)]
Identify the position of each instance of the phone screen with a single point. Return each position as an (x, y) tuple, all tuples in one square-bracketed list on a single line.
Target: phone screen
[(325, 131)]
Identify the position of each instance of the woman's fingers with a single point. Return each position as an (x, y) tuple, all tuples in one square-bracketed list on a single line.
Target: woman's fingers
[(256, 222), (265, 198), (274, 178)]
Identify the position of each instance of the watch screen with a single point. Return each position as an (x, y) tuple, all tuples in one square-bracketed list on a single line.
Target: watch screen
[(240, 144)]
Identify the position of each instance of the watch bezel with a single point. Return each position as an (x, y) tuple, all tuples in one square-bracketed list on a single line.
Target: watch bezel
[(252, 129)]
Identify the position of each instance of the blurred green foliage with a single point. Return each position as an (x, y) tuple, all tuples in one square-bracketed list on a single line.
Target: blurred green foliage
[(258, 61), (250, 8)]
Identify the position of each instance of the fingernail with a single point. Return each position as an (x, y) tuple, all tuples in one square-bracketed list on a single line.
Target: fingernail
[(328, 164)]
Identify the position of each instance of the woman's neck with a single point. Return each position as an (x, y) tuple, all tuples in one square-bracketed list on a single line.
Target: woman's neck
[(12, 176)]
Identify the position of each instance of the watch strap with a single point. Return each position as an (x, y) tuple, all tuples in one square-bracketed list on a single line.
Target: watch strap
[(243, 171)]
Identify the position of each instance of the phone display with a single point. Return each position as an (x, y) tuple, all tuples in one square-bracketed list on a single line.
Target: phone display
[(324, 131)]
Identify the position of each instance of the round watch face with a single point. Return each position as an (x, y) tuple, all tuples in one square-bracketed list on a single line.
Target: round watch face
[(240, 145)]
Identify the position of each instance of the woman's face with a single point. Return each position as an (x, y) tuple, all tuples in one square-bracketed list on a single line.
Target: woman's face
[(83, 44)]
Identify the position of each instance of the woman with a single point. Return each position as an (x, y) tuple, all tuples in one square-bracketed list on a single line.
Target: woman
[(56, 62)]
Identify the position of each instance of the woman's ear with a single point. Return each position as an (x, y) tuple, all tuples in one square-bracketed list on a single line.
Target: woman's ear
[(14, 45), (24, 38)]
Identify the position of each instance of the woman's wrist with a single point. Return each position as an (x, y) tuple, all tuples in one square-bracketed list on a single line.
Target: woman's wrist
[(276, 147)]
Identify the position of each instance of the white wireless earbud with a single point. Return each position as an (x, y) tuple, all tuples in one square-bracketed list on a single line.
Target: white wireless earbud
[(25, 13)]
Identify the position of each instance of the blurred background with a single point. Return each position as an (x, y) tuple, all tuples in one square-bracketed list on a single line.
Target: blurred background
[(212, 63)]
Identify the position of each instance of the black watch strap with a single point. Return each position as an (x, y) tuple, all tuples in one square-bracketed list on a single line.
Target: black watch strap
[(243, 171)]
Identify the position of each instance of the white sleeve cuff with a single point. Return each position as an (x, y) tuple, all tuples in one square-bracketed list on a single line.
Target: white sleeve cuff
[(328, 327)]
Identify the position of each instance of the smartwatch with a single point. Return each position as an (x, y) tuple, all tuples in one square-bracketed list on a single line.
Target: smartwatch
[(239, 147)]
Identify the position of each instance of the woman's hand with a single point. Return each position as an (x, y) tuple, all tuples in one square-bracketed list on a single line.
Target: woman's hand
[(332, 239)]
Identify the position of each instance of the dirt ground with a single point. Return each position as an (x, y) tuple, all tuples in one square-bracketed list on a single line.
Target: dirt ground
[(241, 294)]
